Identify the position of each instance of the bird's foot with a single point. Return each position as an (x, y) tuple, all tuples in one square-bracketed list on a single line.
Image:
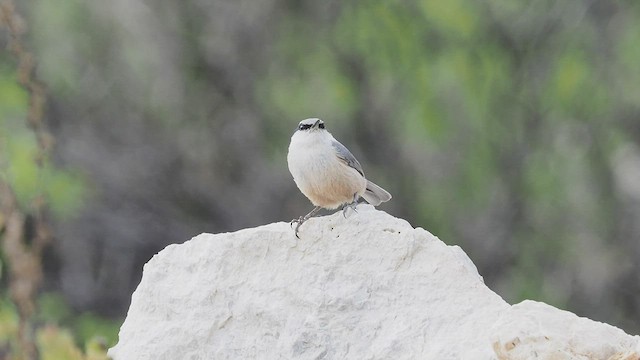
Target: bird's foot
[(351, 206), (302, 219), (298, 222)]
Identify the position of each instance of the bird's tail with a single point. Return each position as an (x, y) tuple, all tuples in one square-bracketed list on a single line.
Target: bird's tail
[(375, 195)]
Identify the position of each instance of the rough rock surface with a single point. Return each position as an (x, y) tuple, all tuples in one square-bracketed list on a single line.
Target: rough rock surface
[(366, 287)]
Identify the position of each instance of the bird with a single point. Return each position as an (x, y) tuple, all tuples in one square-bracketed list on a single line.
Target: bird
[(326, 172)]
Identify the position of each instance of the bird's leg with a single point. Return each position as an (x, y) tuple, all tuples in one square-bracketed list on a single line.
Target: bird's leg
[(351, 205), (302, 219)]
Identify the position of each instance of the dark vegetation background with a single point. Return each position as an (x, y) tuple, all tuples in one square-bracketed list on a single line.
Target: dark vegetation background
[(509, 127)]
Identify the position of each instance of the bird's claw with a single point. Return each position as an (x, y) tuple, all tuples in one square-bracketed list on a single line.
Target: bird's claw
[(295, 221), (302, 219), (298, 222), (351, 206)]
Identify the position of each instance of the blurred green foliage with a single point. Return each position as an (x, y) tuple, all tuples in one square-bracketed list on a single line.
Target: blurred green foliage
[(63, 190), (31, 177), (60, 334)]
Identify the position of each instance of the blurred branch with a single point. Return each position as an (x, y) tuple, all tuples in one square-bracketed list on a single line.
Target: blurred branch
[(24, 254), (24, 267), (16, 28)]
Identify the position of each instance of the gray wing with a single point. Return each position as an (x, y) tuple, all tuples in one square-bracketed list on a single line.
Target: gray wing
[(345, 155)]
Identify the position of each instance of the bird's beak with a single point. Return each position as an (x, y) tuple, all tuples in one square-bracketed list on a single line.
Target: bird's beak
[(315, 124)]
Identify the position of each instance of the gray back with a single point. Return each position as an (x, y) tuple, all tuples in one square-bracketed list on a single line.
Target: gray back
[(345, 155)]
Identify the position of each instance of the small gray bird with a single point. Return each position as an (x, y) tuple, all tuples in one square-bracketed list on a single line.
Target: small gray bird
[(326, 172)]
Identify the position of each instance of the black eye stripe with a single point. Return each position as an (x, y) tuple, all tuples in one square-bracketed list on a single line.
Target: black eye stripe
[(309, 126)]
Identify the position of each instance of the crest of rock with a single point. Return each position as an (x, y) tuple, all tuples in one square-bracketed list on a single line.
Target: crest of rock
[(368, 286)]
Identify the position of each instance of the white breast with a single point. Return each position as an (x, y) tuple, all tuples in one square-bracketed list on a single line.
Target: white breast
[(319, 174)]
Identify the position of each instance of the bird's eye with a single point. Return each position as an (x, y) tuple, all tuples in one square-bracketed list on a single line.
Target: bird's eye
[(321, 126), (304, 126)]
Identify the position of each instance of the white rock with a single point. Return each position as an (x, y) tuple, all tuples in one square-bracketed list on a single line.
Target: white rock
[(366, 287)]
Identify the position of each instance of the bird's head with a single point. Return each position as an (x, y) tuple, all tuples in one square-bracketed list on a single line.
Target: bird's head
[(310, 125)]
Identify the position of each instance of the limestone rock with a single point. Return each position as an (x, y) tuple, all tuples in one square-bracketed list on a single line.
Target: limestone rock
[(366, 287)]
